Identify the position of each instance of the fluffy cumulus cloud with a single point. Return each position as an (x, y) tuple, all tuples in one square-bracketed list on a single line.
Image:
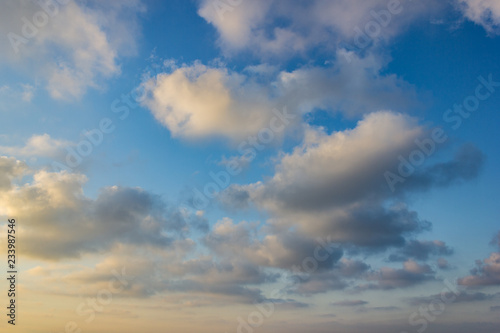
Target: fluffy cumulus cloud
[(281, 28), (139, 232), (59, 221), (310, 266), (339, 169), (333, 184), (483, 12), (135, 226), (88, 38), (198, 101), (487, 271)]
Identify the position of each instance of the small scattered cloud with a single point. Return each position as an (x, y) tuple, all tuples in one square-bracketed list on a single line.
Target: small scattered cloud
[(349, 303), (388, 278), (42, 145), (487, 271)]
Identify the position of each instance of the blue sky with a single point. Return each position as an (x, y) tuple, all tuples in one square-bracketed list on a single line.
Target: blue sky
[(232, 155)]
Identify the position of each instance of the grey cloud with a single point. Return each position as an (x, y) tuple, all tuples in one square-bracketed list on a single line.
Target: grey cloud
[(349, 303), (384, 308), (241, 293), (288, 303), (443, 263), (496, 240), (389, 278), (229, 278), (338, 278), (282, 250), (351, 268), (376, 226), (333, 184), (463, 297), (234, 198), (62, 222), (319, 283), (421, 250), (342, 168), (486, 272), (466, 165)]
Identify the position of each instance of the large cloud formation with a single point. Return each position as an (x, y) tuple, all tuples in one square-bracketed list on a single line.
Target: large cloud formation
[(333, 184), (198, 101), (281, 28), (277, 28), (59, 221)]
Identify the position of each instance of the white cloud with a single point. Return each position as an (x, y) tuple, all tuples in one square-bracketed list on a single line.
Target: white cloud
[(271, 27), (483, 12), (12, 94), (73, 46), (39, 145), (199, 101)]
